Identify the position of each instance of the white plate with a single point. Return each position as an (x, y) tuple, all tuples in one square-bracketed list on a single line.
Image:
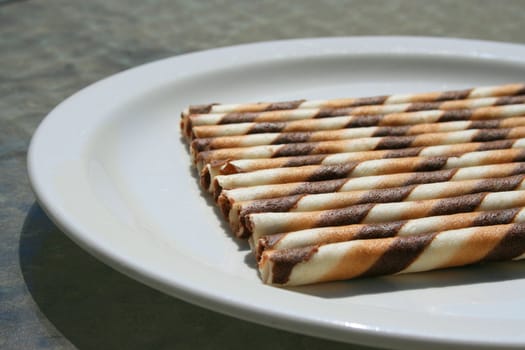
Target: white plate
[(109, 168)]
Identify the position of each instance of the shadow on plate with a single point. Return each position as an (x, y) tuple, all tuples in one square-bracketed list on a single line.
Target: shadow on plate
[(206, 197), (96, 307), (470, 275)]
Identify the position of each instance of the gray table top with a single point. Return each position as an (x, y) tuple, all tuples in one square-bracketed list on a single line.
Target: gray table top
[(53, 295)]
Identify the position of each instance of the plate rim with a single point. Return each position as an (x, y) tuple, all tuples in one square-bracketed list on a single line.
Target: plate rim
[(359, 334)]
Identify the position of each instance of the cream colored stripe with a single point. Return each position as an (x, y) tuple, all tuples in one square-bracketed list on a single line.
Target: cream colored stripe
[(204, 131), (500, 200), (470, 103), (270, 223), (443, 248), (407, 98), (249, 179), (440, 190), (439, 127), (433, 151), (205, 119), (499, 111), (286, 114), (361, 183), (484, 91), (463, 136), (318, 124), (394, 211), (338, 261), (342, 134), (478, 158), (411, 118)]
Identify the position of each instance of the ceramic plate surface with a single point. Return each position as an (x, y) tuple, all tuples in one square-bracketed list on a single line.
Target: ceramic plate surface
[(109, 167)]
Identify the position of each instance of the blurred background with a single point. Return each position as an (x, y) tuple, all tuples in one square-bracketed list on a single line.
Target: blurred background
[(50, 49)]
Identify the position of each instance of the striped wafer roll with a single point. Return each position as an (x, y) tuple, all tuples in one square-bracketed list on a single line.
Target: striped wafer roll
[(302, 109), (396, 255), (334, 234), (392, 112), (360, 144), (247, 165), (346, 122), (276, 138), (262, 224), (359, 169), (228, 197), (478, 92), (334, 200)]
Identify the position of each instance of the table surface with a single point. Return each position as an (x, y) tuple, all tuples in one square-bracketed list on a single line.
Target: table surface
[(50, 49)]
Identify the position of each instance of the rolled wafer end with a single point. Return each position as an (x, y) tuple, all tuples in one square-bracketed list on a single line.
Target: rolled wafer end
[(245, 227), (205, 178), (215, 188), (276, 266), (229, 168), (225, 204), (207, 175), (199, 145), (266, 243), (184, 120)]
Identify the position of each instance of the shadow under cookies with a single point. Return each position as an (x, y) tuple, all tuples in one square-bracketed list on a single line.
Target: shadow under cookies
[(96, 307)]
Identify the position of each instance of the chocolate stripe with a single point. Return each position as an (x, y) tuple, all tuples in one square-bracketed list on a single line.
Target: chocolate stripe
[(400, 254), (395, 142), (264, 127), (454, 95), (280, 204), (284, 105), (365, 120), (404, 152), (455, 115), (391, 131), (512, 245), (344, 216), (327, 172), (285, 260), (382, 230), (431, 163), (486, 135), (492, 145), (497, 217), (311, 159), (429, 177), (457, 204), (485, 124), (318, 187), (423, 106), (295, 149), (374, 100), (396, 194), (292, 137), (498, 184), (507, 100), (327, 112)]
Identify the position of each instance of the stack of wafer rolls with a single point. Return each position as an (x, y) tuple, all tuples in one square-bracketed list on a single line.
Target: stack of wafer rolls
[(329, 190)]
